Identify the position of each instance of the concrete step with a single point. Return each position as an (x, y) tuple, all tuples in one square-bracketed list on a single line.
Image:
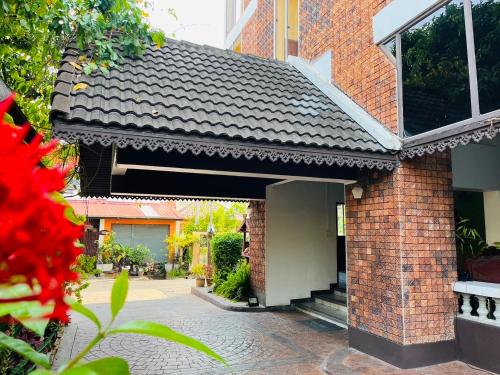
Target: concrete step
[(323, 312), (340, 293), (332, 301)]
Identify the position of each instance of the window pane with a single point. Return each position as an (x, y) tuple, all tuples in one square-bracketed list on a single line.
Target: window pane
[(486, 20), (340, 219), (435, 72)]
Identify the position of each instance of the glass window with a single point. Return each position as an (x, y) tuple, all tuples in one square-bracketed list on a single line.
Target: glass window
[(486, 21), (340, 219), (435, 71)]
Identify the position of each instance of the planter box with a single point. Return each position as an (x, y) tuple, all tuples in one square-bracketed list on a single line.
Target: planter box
[(105, 267)]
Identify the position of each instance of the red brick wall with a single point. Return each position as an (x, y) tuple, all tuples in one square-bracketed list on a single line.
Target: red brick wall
[(257, 225), (359, 67), (401, 253), (258, 33)]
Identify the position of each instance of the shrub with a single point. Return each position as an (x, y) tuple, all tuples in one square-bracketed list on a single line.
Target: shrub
[(198, 271), (177, 273), (237, 285), (86, 263), (138, 255), (226, 253)]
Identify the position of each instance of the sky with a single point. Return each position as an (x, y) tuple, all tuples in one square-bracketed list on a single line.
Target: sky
[(199, 21)]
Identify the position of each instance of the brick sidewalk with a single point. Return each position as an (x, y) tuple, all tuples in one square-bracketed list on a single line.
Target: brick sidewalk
[(252, 343)]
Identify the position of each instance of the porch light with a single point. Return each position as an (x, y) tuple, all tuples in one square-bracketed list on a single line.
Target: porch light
[(357, 192)]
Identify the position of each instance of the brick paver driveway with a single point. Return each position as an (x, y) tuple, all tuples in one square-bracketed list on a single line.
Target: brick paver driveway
[(252, 343)]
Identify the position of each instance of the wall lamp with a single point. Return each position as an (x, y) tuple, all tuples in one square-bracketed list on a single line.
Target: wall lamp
[(357, 192)]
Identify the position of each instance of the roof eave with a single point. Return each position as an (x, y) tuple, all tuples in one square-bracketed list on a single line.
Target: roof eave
[(378, 131)]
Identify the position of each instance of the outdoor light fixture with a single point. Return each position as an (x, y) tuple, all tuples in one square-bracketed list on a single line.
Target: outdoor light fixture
[(253, 301), (357, 192), (104, 232)]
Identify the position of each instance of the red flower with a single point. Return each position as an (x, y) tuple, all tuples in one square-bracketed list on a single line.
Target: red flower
[(37, 241)]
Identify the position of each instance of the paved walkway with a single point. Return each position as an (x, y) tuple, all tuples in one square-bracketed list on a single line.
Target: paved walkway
[(252, 343)]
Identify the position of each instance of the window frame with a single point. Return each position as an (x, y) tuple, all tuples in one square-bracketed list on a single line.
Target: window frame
[(477, 119)]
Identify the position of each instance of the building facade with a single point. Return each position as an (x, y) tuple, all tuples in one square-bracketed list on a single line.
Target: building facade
[(425, 71)]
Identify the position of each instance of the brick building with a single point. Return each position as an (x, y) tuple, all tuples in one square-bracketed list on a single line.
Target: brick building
[(360, 131)]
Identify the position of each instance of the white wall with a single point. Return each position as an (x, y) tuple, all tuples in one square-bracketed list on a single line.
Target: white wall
[(492, 216), (301, 243), (477, 166)]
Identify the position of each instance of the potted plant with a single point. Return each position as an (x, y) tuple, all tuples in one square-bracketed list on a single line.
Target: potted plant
[(137, 257), (198, 272), (208, 273), (107, 253)]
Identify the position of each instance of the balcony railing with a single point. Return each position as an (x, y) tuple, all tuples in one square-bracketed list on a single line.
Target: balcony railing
[(478, 301)]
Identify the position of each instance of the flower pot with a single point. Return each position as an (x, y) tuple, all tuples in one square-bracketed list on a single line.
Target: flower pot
[(105, 267), (200, 282), (140, 273), (209, 282)]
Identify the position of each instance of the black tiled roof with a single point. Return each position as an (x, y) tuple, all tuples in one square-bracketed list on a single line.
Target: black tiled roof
[(183, 88)]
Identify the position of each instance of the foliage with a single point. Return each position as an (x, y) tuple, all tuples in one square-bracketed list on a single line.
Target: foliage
[(177, 273), (37, 233), (14, 364), (34, 33), (139, 255), (198, 271), (226, 252), (469, 242), (104, 365), (86, 263), (208, 270), (112, 252), (237, 285), (225, 218)]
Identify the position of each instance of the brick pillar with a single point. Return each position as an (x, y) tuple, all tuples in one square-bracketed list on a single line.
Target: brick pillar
[(401, 262), (257, 226)]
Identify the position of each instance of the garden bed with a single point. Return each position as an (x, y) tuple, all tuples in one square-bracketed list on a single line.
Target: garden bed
[(226, 304)]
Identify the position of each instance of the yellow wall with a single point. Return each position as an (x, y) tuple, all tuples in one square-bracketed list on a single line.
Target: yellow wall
[(293, 25), (108, 223)]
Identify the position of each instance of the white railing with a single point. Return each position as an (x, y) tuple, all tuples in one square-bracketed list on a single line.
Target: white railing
[(478, 301)]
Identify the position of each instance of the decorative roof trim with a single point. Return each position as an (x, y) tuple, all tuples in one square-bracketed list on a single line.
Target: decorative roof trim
[(378, 131), (145, 139), (490, 131)]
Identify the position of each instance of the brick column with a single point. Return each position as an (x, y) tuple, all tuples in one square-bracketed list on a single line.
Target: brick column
[(257, 226), (401, 263), (257, 35)]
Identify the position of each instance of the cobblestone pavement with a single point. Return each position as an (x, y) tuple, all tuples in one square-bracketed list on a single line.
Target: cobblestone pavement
[(251, 343)]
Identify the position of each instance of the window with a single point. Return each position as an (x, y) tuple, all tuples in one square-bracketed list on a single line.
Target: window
[(435, 75), (340, 219), (287, 28), (437, 86), (486, 21)]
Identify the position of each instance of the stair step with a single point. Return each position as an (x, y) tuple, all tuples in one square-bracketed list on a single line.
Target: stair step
[(323, 312), (341, 293), (332, 301)]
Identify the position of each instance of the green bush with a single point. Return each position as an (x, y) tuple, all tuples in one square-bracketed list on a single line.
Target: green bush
[(237, 285), (177, 273), (86, 263), (226, 253), (138, 255)]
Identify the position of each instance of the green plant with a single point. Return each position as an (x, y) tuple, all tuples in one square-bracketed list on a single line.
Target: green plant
[(198, 271), (97, 272), (469, 242), (138, 255), (109, 365), (109, 249), (237, 285), (226, 253), (177, 273), (86, 263)]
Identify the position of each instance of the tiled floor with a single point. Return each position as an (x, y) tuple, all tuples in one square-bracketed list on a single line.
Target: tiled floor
[(252, 343)]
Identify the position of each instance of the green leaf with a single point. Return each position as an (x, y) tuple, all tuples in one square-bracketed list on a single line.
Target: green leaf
[(42, 372), (103, 366), (164, 332), (119, 293), (82, 310), (23, 349)]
